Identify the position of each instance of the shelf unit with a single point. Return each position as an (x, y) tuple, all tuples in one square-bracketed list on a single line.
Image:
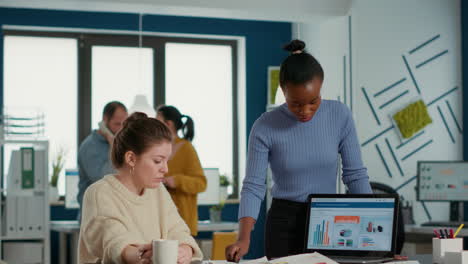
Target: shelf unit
[(31, 197)]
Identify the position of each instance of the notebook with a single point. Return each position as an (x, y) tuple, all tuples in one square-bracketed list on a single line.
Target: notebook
[(352, 228)]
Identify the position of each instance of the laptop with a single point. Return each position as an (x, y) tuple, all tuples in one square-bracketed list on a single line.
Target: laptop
[(352, 228)]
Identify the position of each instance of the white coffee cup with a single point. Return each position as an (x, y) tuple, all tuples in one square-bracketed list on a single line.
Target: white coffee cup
[(165, 251)]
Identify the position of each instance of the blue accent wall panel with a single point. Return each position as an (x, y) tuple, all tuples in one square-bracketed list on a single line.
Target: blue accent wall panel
[(464, 68), (264, 40), (464, 45)]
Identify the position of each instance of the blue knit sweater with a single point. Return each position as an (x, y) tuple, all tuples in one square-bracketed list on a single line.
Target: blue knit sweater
[(303, 156)]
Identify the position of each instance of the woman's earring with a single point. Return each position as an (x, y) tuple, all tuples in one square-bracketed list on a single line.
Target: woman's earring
[(131, 171)]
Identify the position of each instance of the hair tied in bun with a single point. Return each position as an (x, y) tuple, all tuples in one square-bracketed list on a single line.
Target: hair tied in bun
[(295, 47), (134, 117)]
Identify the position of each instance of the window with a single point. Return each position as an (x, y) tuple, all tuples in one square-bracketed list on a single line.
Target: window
[(199, 84), (198, 76), (41, 73), (118, 74)]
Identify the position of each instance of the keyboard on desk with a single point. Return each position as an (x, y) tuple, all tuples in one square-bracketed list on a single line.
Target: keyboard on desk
[(444, 224)]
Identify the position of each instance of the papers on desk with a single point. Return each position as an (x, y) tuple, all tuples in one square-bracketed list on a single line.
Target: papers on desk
[(403, 262), (310, 258), (263, 260)]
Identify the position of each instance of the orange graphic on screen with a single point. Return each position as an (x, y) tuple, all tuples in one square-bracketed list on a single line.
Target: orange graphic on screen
[(447, 172), (351, 219)]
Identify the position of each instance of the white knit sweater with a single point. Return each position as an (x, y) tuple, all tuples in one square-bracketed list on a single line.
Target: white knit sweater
[(114, 217)]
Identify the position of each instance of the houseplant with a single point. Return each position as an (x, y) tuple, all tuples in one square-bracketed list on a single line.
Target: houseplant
[(223, 187), (57, 166), (215, 212)]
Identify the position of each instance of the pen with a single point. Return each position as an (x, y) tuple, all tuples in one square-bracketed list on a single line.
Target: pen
[(446, 233), (458, 230), (436, 234), (441, 233), (451, 233)]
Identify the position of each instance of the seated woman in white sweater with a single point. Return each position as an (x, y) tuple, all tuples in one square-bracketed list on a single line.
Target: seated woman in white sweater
[(123, 213)]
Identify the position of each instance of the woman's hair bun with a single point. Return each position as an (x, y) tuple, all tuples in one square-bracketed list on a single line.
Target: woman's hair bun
[(295, 45), (134, 117)]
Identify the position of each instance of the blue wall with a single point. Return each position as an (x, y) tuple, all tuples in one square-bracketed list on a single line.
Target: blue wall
[(263, 48), (464, 49)]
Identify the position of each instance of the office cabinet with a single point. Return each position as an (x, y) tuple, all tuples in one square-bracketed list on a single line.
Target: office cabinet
[(25, 207)]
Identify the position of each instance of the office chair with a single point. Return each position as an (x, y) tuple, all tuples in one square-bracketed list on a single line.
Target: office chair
[(220, 241), (400, 239)]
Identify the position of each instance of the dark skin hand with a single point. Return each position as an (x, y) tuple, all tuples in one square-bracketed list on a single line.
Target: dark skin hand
[(236, 251)]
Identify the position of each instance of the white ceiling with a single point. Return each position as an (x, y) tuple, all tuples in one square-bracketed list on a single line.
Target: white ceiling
[(306, 11)]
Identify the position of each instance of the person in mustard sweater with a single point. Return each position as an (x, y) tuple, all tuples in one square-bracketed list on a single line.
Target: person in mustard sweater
[(123, 212), (185, 178)]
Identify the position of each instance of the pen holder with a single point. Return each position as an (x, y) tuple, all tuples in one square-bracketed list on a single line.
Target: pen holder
[(441, 246), (456, 257)]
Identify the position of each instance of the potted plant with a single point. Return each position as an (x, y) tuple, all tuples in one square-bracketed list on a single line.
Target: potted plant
[(57, 166), (223, 187), (215, 212)]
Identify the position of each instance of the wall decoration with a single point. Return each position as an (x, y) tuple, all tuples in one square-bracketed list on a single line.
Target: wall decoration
[(273, 83), (411, 119)]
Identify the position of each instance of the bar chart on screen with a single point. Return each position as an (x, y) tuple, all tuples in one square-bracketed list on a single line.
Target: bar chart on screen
[(321, 234)]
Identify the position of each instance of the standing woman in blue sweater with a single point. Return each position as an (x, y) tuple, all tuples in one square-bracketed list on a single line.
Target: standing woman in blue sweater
[(301, 140)]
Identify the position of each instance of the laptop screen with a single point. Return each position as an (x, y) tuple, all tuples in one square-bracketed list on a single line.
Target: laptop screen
[(351, 223)]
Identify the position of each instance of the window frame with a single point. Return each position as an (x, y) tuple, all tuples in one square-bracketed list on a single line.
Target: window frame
[(87, 40)]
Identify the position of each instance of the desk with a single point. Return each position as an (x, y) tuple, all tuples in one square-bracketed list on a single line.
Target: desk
[(418, 239), (72, 228), (423, 259), (65, 229), (429, 230), (207, 226)]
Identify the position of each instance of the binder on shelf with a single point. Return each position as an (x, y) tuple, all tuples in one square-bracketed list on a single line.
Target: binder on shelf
[(27, 171), (13, 177), (21, 216), (10, 217), (27, 168), (40, 171), (30, 216), (24, 217), (38, 214), (33, 216)]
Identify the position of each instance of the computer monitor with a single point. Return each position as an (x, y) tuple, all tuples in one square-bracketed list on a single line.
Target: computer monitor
[(211, 195), (71, 188), (442, 181)]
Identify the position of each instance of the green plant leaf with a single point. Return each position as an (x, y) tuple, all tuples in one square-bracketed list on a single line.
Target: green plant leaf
[(223, 180), (57, 166)]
